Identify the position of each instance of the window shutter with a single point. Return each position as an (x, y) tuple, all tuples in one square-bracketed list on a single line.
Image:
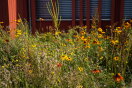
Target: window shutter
[(77, 9), (93, 7), (106, 9), (65, 9), (41, 9), (128, 9)]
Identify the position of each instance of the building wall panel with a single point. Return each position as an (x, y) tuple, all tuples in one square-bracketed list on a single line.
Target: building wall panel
[(4, 12)]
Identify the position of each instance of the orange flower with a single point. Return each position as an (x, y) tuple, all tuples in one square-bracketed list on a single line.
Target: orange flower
[(96, 71), (69, 40), (118, 77), (59, 65)]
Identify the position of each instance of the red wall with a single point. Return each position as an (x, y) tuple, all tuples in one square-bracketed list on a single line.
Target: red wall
[(22, 8), (4, 12), (22, 11)]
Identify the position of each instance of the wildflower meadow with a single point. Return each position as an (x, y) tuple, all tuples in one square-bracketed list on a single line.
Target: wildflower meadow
[(76, 58)]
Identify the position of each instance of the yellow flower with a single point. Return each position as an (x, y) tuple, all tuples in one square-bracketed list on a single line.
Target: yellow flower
[(87, 46), (62, 44), (69, 59), (1, 22), (101, 58), (96, 42), (57, 33), (114, 41), (18, 33), (79, 86), (103, 32), (34, 46), (84, 27), (100, 49), (30, 71), (100, 36), (116, 58), (3, 66), (80, 69), (83, 38), (52, 73), (63, 57), (82, 32), (100, 30)]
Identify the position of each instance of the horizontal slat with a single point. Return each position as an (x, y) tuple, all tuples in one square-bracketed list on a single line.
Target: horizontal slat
[(106, 9), (128, 9), (65, 9), (41, 9), (93, 7)]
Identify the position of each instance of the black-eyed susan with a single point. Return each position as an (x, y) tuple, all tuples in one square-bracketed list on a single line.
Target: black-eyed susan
[(83, 38), (96, 42), (63, 57), (82, 32), (69, 59), (100, 36), (100, 30), (87, 46), (84, 27), (117, 77), (116, 58)]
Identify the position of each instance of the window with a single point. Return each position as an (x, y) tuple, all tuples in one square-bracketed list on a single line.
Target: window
[(66, 9), (128, 9)]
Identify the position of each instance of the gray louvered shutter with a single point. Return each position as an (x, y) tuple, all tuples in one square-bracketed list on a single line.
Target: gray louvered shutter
[(41, 9), (106, 9), (128, 9), (93, 7), (77, 9), (65, 9)]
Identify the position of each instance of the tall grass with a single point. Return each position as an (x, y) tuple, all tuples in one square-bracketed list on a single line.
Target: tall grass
[(73, 59)]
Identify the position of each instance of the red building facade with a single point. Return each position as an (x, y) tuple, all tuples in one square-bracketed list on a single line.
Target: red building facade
[(75, 12)]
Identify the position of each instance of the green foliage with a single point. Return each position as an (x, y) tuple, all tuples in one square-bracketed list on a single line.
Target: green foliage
[(74, 59)]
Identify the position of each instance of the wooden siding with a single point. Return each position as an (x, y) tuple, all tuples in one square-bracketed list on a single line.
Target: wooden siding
[(4, 12), (117, 13)]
